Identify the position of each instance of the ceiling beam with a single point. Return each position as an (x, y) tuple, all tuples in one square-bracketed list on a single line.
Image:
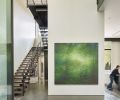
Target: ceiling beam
[(112, 39)]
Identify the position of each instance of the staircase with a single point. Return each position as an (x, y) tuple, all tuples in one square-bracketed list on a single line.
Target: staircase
[(26, 70), (44, 35), (39, 10)]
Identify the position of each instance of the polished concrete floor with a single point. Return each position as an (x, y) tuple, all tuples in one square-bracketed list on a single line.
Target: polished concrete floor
[(40, 92)]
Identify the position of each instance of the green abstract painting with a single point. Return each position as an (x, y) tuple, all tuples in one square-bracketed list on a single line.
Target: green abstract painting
[(76, 63)]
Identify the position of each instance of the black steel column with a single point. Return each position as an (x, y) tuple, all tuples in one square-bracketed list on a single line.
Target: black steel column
[(46, 64)]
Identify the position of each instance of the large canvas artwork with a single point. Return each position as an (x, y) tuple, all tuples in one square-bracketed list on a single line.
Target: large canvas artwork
[(76, 63)]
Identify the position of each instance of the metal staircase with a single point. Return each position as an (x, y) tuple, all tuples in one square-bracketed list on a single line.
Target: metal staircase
[(39, 10), (44, 37), (26, 70), (99, 4)]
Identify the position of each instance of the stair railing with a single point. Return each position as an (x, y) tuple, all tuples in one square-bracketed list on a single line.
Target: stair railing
[(33, 2), (35, 57)]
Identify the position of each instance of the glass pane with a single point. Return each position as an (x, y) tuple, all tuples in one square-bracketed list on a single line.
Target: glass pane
[(107, 55), (5, 52), (107, 59), (108, 45)]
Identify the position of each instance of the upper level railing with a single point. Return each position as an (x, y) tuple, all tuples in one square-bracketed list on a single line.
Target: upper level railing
[(36, 2), (99, 3)]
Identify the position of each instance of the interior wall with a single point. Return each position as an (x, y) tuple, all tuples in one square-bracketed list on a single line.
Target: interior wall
[(112, 17), (24, 31), (74, 21), (115, 54)]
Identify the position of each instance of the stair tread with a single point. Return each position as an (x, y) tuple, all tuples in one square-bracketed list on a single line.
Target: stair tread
[(21, 82), (20, 87), (22, 78), (25, 64), (18, 75), (28, 57), (17, 84), (27, 60), (16, 92), (22, 69), (19, 72)]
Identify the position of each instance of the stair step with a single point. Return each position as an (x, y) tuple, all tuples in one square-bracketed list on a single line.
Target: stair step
[(27, 58), (30, 52), (22, 71), (20, 81), (18, 77), (18, 92), (19, 74), (24, 66), (20, 88), (18, 84), (22, 78), (24, 62)]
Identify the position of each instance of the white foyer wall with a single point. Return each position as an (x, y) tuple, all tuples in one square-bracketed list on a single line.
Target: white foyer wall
[(74, 21), (112, 18), (24, 31)]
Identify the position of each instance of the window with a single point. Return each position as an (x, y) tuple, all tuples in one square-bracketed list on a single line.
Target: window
[(107, 54)]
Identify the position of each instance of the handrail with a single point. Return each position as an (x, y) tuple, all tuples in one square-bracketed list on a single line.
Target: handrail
[(34, 3), (35, 53), (33, 57), (99, 3)]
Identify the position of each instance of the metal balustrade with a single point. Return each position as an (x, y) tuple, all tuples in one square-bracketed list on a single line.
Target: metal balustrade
[(99, 3), (26, 70), (36, 2)]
